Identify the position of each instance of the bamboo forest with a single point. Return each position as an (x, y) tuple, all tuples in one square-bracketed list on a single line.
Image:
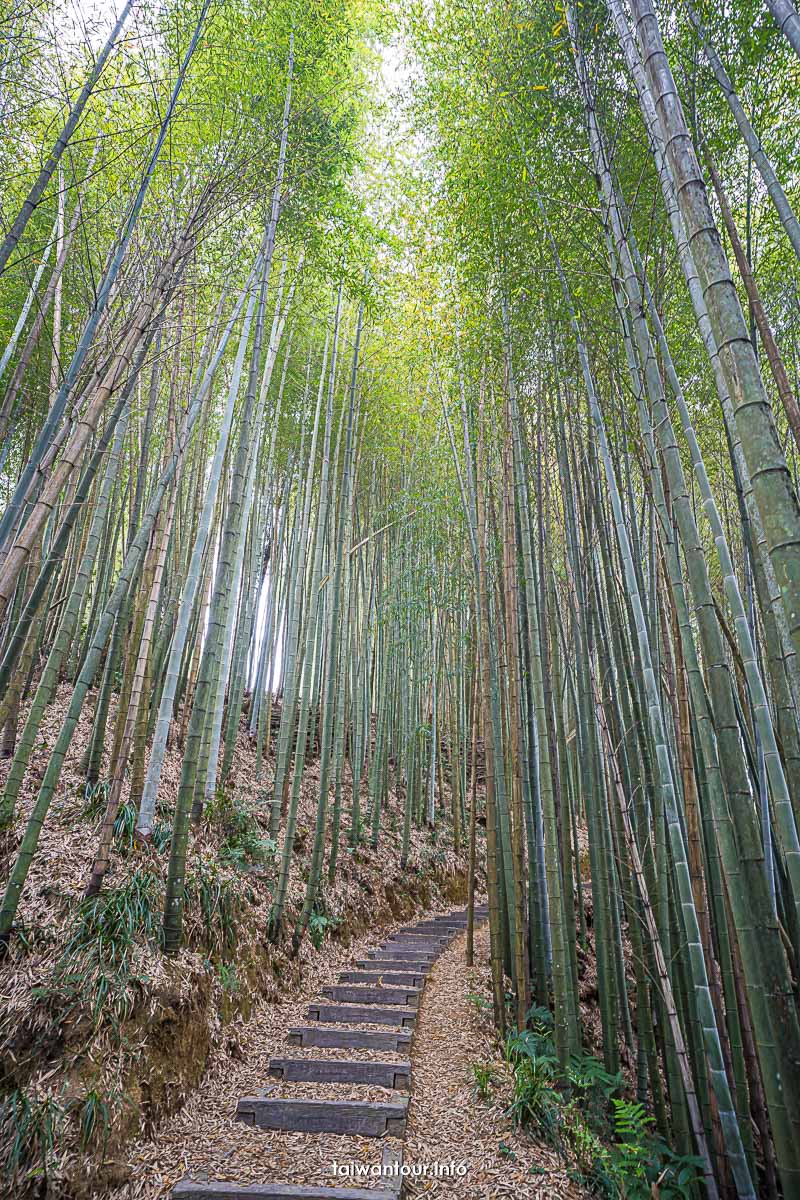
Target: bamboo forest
[(399, 599)]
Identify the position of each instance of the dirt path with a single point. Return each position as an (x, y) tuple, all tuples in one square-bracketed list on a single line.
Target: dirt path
[(455, 1145), (447, 1123), (203, 1141)]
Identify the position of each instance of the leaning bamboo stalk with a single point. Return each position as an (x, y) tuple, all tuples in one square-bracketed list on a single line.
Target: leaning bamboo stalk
[(662, 974), (772, 483), (776, 364), (36, 192), (54, 417)]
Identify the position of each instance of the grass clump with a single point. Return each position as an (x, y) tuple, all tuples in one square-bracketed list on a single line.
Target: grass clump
[(30, 1130), (210, 893), (97, 962)]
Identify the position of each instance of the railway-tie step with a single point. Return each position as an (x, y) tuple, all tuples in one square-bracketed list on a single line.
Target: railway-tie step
[(362, 1014), (395, 1075), (433, 940), (346, 994), (398, 1041), (414, 979), (359, 1118), (189, 1189), (397, 952), (408, 965)]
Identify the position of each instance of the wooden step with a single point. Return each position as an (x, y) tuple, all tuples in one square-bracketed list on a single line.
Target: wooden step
[(410, 965), (432, 923), (388, 1189), (409, 978), (188, 1189), (413, 948), (344, 994), (426, 949), (397, 952), (342, 1070), (434, 945), (437, 930), (398, 1040), (457, 922), (373, 1118), (427, 953), (434, 927), (416, 939), (360, 1014)]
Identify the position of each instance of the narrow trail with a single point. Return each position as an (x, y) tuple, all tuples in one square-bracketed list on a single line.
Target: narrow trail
[(446, 1122), (319, 1096)]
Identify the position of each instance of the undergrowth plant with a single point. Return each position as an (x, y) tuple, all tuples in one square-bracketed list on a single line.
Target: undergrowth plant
[(125, 841), (96, 968), (244, 843), (30, 1129), (484, 1078), (213, 898), (581, 1112), (320, 925)]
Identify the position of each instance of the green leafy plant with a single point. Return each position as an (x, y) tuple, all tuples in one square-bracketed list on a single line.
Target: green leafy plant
[(94, 1117), (319, 925), (243, 844), (97, 960), (30, 1129), (211, 894), (535, 1100), (484, 1078), (228, 978), (125, 827), (479, 1002), (95, 796), (581, 1113)]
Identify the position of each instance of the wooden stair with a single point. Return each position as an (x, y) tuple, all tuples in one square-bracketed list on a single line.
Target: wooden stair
[(398, 1040), (362, 1014), (363, 994), (394, 953), (362, 1118), (189, 1189), (383, 989), (406, 978), (396, 1075)]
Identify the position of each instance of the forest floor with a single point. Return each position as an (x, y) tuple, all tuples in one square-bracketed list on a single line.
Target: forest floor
[(101, 1037)]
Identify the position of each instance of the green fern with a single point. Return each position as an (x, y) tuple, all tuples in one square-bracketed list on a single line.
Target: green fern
[(631, 1122)]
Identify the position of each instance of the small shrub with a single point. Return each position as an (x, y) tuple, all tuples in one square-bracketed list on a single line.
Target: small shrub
[(479, 1002), (228, 978), (243, 844), (608, 1136), (319, 926), (535, 1098)]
